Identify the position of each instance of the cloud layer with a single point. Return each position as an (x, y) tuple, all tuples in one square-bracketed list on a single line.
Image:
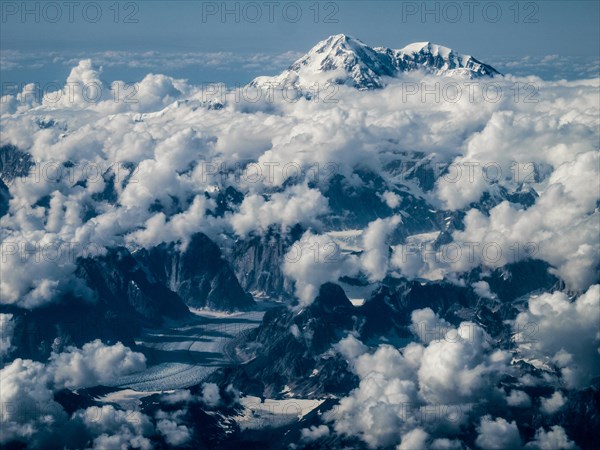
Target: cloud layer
[(155, 149)]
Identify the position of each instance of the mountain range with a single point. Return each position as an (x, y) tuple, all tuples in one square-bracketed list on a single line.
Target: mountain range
[(240, 309), (345, 60)]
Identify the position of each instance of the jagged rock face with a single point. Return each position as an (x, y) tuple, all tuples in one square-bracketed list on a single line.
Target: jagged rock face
[(227, 199), (439, 59), (119, 281), (198, 274), (342, 59), (258, 262), (126, 292), (387, 313), (4, 198), (288, 345), (70, 321), (14, 163), (518, 279), (120, 298), (354, 207), (580, 414)]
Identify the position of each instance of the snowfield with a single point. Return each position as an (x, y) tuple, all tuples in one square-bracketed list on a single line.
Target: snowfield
[(273, 413)]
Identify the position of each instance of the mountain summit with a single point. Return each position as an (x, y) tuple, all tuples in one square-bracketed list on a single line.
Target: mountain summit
[(342, 59)]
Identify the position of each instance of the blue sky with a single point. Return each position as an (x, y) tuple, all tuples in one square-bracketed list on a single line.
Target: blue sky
[(40, 45)]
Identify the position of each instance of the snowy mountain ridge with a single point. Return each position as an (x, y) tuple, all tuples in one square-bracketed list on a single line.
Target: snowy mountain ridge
[(343, 59)]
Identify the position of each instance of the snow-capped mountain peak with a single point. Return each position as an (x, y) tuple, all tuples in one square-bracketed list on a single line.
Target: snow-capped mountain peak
[(435, 49), (337, 41), (340, 59), (441, 61), (343, 59)]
